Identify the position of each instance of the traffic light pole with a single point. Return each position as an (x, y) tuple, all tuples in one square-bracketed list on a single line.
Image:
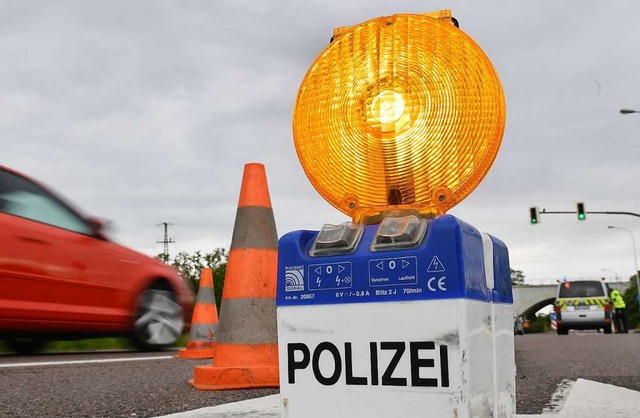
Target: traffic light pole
[(550, 212), (607, 213)]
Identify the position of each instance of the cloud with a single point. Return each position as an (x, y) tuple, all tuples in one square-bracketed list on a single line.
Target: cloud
[(146, 112)]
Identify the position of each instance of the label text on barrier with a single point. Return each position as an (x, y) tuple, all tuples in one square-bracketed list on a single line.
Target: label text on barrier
[(330, 276), (294, 278), (299, 356), (434, 284), (435, 265), (393, 271)]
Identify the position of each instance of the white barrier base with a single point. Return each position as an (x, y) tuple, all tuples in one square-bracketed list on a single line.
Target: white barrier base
[(440, 358)]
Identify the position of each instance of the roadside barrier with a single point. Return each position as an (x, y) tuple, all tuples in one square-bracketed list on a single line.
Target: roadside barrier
[(413, 332), (246, 350), (204, 321)]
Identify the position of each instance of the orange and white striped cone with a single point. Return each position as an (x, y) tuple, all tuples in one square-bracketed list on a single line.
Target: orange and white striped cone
[(246, 352), (204, 321)]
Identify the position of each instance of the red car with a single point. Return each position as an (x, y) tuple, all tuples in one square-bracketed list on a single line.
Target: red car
[(62, 278)]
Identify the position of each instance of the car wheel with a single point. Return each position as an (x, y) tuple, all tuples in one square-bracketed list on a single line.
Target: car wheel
[(159, 319), (563, 331), (25, 345), (607, 329)]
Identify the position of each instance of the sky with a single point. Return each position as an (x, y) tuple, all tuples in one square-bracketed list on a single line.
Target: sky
[(146, 112)]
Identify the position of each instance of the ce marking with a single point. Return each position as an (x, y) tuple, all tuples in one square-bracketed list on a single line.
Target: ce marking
[(440, 283)]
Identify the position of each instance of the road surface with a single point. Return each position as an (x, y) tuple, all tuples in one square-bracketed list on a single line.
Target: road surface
[(129, 384)]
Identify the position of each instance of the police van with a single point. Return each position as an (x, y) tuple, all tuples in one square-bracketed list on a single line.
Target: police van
[(582, 304)]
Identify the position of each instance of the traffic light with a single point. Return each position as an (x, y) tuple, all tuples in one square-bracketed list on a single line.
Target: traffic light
[(581, 212), (535, 215)]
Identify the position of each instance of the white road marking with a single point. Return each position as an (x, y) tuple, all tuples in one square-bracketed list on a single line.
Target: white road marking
[(559, 397), (585, 399), (70, 362)]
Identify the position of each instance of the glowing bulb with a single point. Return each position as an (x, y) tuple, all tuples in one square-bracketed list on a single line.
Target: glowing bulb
[(388, 107)]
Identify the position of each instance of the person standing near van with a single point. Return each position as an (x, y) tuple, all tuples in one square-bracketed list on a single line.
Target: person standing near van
[(620, 314)]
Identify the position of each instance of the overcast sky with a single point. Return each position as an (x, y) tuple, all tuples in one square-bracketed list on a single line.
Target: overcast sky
[(146, 112)]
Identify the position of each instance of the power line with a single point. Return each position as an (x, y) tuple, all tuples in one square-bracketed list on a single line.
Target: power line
[(166, 241)]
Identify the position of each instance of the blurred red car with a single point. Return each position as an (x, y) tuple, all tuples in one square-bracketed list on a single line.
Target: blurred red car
[(62, 278)]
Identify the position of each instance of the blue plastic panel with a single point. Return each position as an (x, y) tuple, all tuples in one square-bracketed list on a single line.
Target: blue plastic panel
[(449, 263)]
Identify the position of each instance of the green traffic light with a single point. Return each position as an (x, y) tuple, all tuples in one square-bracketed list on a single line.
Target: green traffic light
[(533, 215), (581, 212)]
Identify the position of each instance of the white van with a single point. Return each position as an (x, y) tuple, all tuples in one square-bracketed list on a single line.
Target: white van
[(583, 304)]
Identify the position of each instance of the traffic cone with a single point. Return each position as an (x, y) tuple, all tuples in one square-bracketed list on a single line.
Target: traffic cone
[(246, 351), (204, 321)]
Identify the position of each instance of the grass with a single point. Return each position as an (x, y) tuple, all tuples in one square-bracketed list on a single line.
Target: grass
[(92, 344)]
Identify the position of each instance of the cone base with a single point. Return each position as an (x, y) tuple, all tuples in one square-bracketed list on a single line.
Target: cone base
[(195, 353), (223, 378)]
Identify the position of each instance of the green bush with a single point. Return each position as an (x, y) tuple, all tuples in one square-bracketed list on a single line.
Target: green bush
[(93, 344), (191, 265), (630, 299)]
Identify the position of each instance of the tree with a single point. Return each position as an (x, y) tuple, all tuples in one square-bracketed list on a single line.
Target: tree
[(631, 301), (163, 257), (517, 276), (190, 267)]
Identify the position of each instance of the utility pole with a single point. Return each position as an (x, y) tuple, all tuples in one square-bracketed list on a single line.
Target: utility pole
[(166, 241)]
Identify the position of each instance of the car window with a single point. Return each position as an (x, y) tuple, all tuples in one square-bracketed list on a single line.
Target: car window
[(581, 289), (21, 197)]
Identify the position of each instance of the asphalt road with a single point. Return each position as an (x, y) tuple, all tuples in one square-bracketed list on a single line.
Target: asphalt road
[(143, 388), (543, 361), (158, 386)]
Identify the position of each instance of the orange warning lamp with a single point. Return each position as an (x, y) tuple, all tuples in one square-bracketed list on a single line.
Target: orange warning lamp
[(399, 114)]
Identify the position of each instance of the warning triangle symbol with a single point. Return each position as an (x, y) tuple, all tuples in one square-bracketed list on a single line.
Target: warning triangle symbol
[(435, 265)]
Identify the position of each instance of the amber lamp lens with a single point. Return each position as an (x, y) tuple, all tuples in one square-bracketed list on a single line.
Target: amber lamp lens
[(399, 112)]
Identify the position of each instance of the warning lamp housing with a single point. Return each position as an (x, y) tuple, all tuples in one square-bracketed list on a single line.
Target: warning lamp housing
[(399, 115)]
